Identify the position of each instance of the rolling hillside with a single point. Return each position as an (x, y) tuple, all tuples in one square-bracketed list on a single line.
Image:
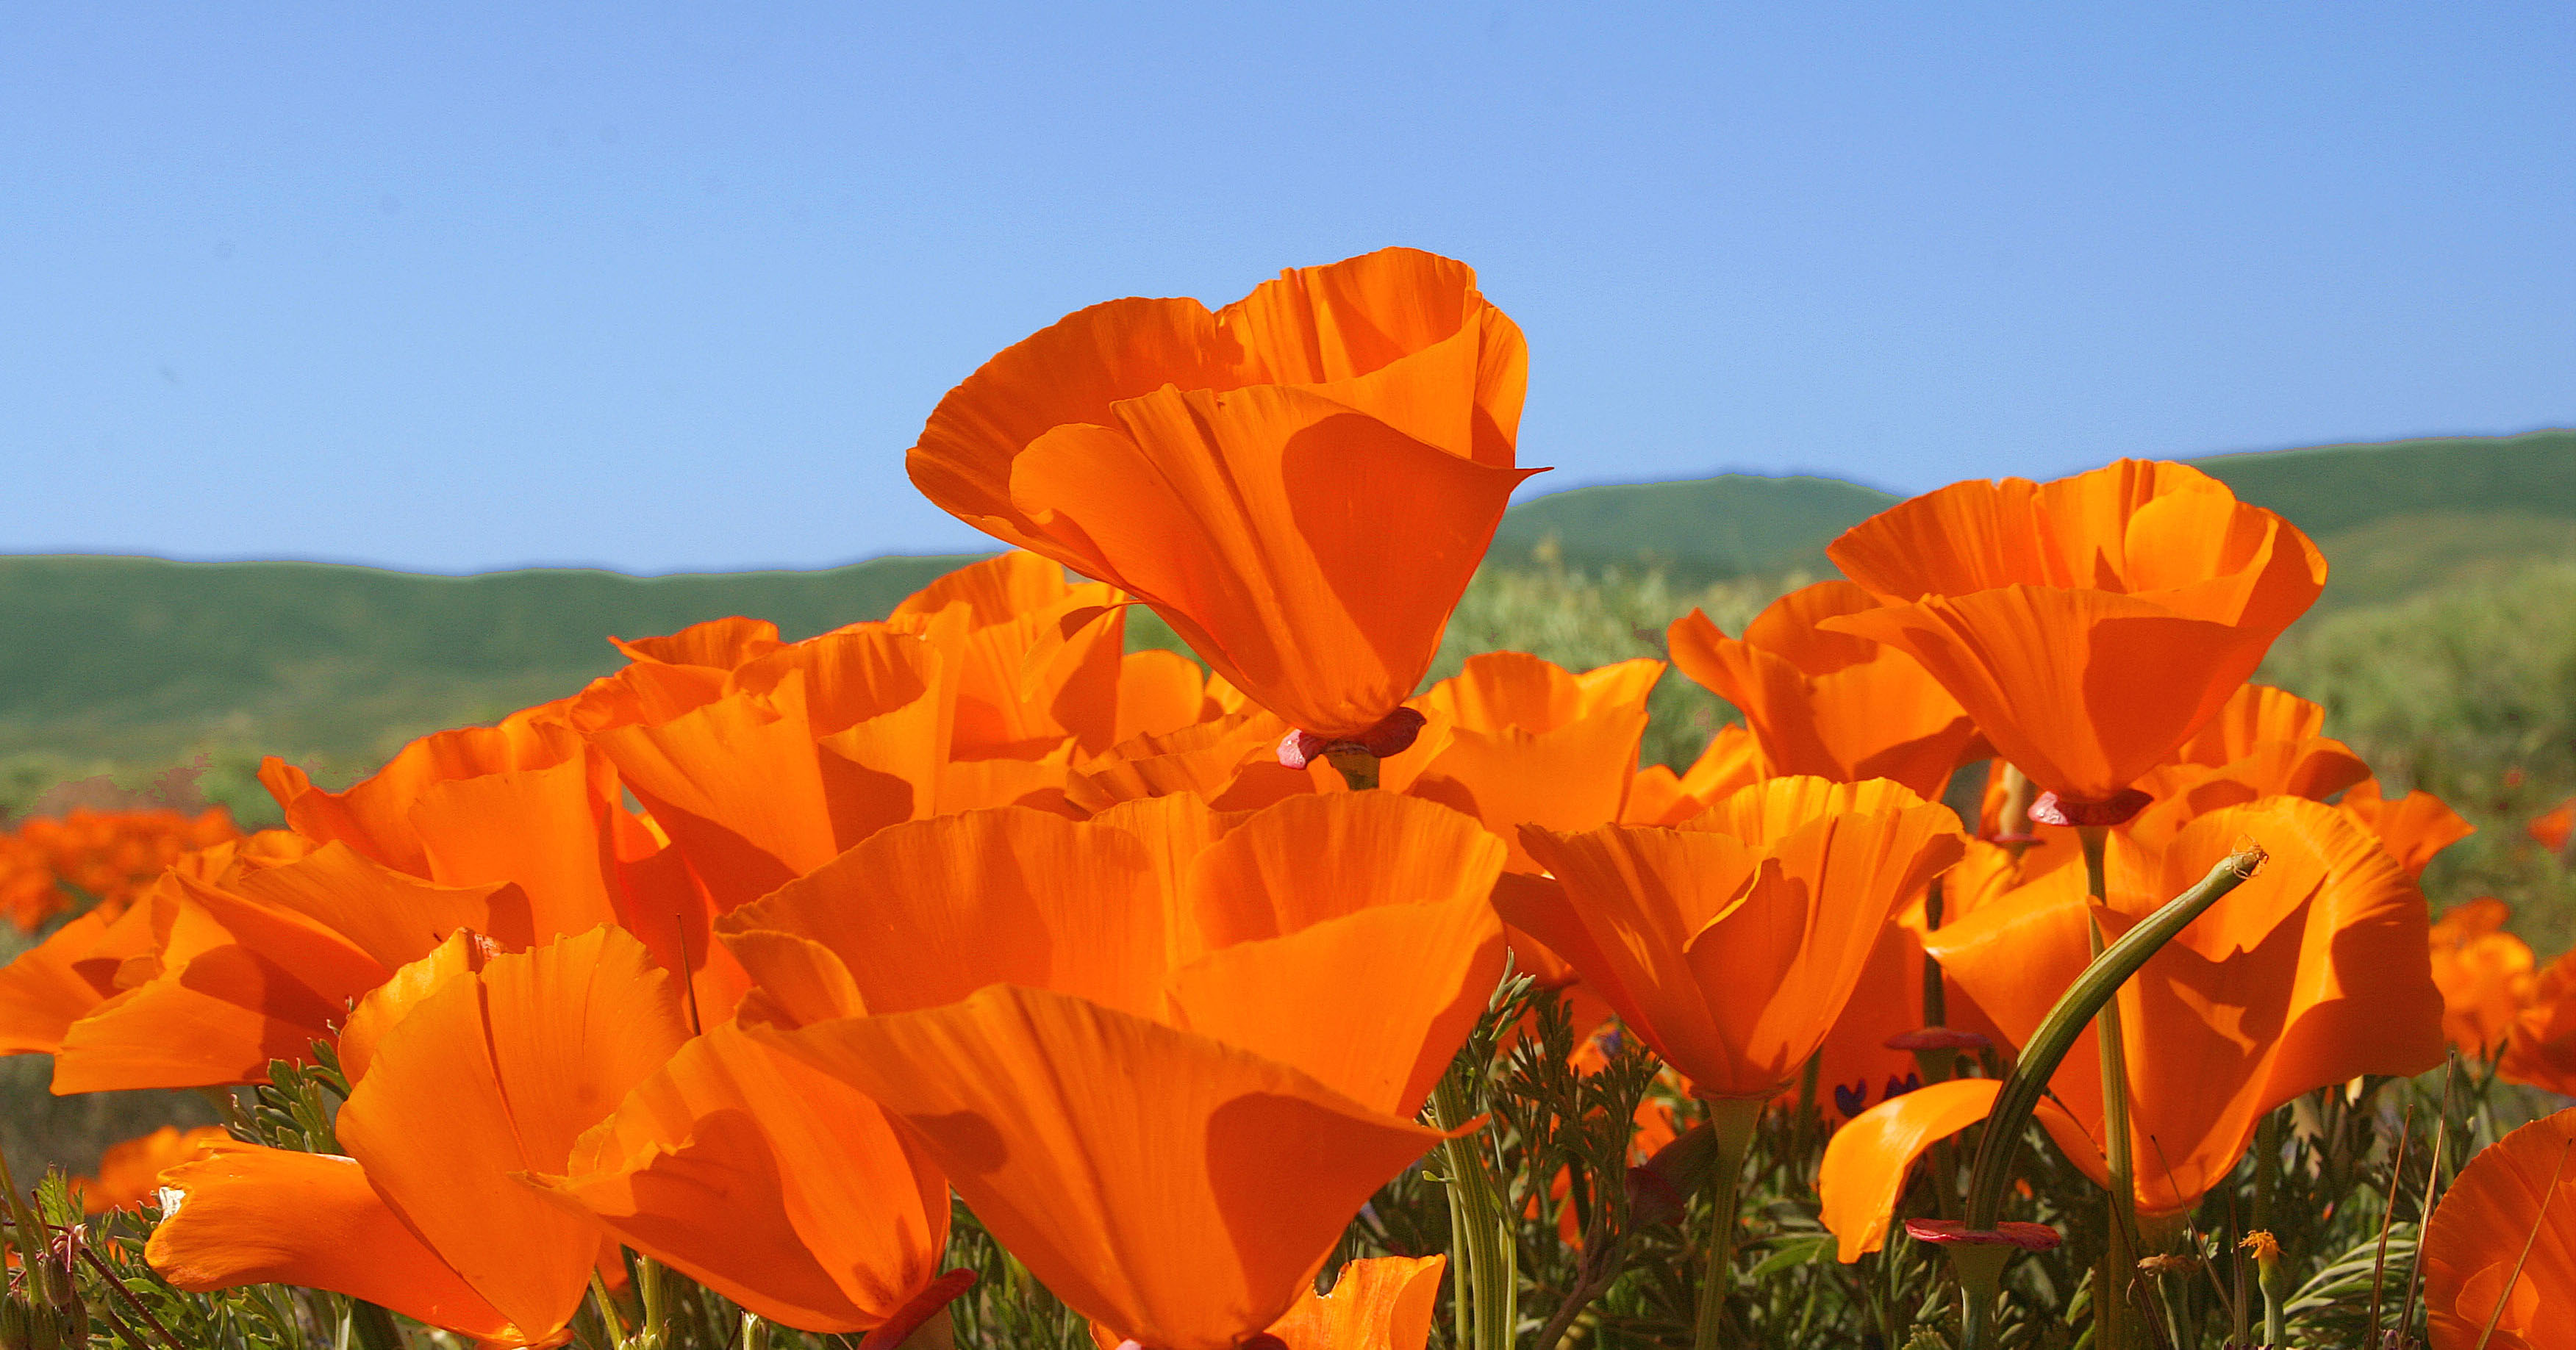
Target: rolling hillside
[(1732, 525), (138, 660), (141, 662), (2393, 516)]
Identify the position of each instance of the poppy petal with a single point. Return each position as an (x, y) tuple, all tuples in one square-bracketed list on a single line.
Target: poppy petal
[(925, 913), (1174, 1188), (254, 1215), (1379, 1303), (1866, 1161), (498, 1075), (779, 1187)]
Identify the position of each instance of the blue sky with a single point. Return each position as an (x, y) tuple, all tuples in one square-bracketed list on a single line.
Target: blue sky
[(672, 288)]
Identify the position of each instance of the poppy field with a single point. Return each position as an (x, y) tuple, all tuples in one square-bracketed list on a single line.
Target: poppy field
[(2017, 972)]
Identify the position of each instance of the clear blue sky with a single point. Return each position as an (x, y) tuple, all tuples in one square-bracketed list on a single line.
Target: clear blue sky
[(672, 288)]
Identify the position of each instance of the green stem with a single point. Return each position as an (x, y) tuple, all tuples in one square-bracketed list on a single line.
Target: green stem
[(2118, 1149), (650, 1287), (30, 1241), (1358, 767), (1486, 1247), (372, 1327), (2056, 1033), (1981, 1274), (1734, 1120)]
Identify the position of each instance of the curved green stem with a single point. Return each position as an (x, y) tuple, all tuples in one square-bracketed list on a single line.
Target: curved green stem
[(2056, 1033), (1733, 1121)]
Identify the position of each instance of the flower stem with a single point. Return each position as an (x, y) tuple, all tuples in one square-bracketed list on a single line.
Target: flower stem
[(2047, 1045), (2112, 1313), (1484, 1247), (1733, 1120)]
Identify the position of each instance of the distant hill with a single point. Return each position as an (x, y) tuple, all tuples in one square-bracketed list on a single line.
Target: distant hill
[(140, 662), (136, 659), (2328, 489), (2392, 517), (1732, 525)]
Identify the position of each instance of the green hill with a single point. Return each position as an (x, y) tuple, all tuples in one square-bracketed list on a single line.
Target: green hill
[(2329, 489), (139, 660), (2393, 517), (1731, 525)]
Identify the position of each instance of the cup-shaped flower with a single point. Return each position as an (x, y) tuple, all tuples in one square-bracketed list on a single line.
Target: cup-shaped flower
[(2487, 976), (1731, 761), (2312, 972), (109, 855), (1301, 483), (2552, 828), (2088, 625), (243, 954), (2413, 828), (1828, 703), (481, 1077), (2539, 1048), (524, 802), (1514, 740), (130, 1170), (1732, 943), (2264, 742), (2499, 1250), (773, 1184), (1165, 1054)]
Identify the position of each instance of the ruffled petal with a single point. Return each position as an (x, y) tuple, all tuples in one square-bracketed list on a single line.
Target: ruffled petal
[(253, 1215), (1168, 1186)]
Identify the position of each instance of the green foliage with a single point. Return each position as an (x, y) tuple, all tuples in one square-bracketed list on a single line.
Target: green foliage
[(1733, 525), (135, 660), (2469, 693), (1580, 619), (2328, 489)]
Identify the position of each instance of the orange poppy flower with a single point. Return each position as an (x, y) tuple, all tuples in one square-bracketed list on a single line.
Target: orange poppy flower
[(802, 754), (1229, 761), (1828, 703), (2552, 828), (1514, 740), (714, 644), (483, 1076), (130, 1171), (1862, 1177), (2262, 743), (1038, 660), (1300, 483), (984, 688), (2486, 976), (2499, 1249), (2089, 625), (775, 1185), (2312, 972), (524, 802), (2540, 1046), (2413, 828), (235, 963), (1732, 943), (1377, 1303), (105, 856), (1730, 762), (1130, 1042)]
